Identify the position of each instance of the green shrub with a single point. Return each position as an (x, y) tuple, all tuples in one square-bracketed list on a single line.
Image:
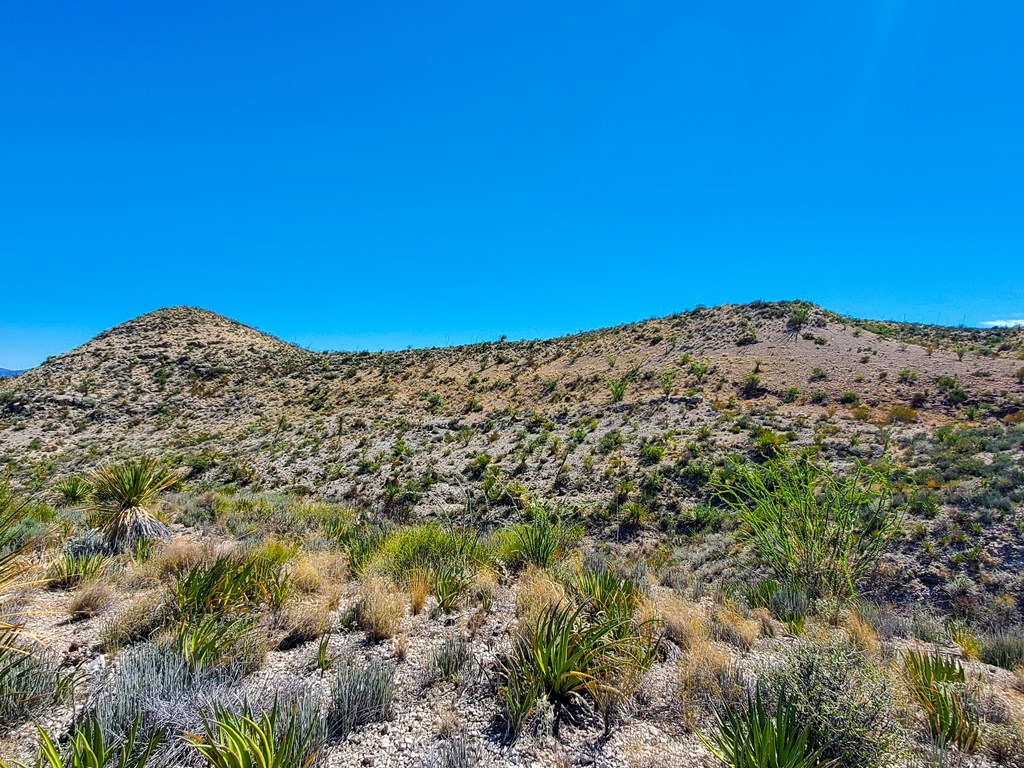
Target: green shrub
[(842, 698), (812, 527), (753, 737), (448, 660), (1002, 647), (539, 542)]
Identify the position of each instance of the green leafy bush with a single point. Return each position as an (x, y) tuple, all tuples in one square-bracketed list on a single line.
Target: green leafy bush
[(814, 528)]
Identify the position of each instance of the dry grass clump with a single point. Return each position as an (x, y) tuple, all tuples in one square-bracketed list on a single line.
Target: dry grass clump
[(705, 677), (313, 572), (730, 626), (176, 557), (381, 607), (536, 592), (861, 633), (686, 622), (419, 590), (90, 600), (135, 621), (304, 623)]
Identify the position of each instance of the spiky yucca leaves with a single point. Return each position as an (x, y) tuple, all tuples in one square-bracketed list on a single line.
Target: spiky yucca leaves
[(91, 747), (73, 490), (939, 685), (276, 739), (14, 569), (122, 497), (754, 737), (564, 655), (813, 527)]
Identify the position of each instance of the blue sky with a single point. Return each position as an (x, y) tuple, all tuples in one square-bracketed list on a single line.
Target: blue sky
[(368, 175)]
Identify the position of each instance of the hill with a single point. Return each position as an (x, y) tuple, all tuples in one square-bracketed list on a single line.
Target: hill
[(7, 373), (410, 517)]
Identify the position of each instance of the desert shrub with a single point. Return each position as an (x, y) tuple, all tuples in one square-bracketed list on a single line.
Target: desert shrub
[(706, 678), (685, 622), (380, 608), (227, 583), (812, 527), (122, 496), (69, 570), (1002, 647), (28, 678), (535, 592), (842, 698), (155, 690), (304, 624), (428, 547), (729, 625), (938, 684), (753, 736), (360, 694), (789, 602), (448, 660), (134, 622), (419, 589)]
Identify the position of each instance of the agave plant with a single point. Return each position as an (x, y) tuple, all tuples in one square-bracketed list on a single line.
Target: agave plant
[(123, 494), (91, 747), (275, 739)]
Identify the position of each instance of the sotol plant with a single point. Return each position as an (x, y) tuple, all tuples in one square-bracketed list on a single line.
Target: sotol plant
[(123, 494)]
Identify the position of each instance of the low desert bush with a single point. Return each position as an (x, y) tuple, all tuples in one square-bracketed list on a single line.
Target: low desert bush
[(305, 623), (1002, 647), (536, 592), (448, 660), (686, 623), (729, 625), (841, 696), (136, 621), (706, 677)]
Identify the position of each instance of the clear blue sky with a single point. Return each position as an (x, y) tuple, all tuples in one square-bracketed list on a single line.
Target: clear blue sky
[(367, 175)]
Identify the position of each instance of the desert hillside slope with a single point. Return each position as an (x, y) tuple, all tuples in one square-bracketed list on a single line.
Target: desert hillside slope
[(420, 520)]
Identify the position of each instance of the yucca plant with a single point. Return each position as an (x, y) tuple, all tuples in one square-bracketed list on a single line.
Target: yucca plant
[(616, 596), (210, 640), (939, 685), (122, 497), (755, 737), (451, 582), (69, 570), (540, 541), (91, 747), (565, 655), (275, 739), (73, 490), (14, 569)]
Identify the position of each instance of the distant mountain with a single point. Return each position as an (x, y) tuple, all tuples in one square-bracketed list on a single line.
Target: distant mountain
[(5, 372)]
